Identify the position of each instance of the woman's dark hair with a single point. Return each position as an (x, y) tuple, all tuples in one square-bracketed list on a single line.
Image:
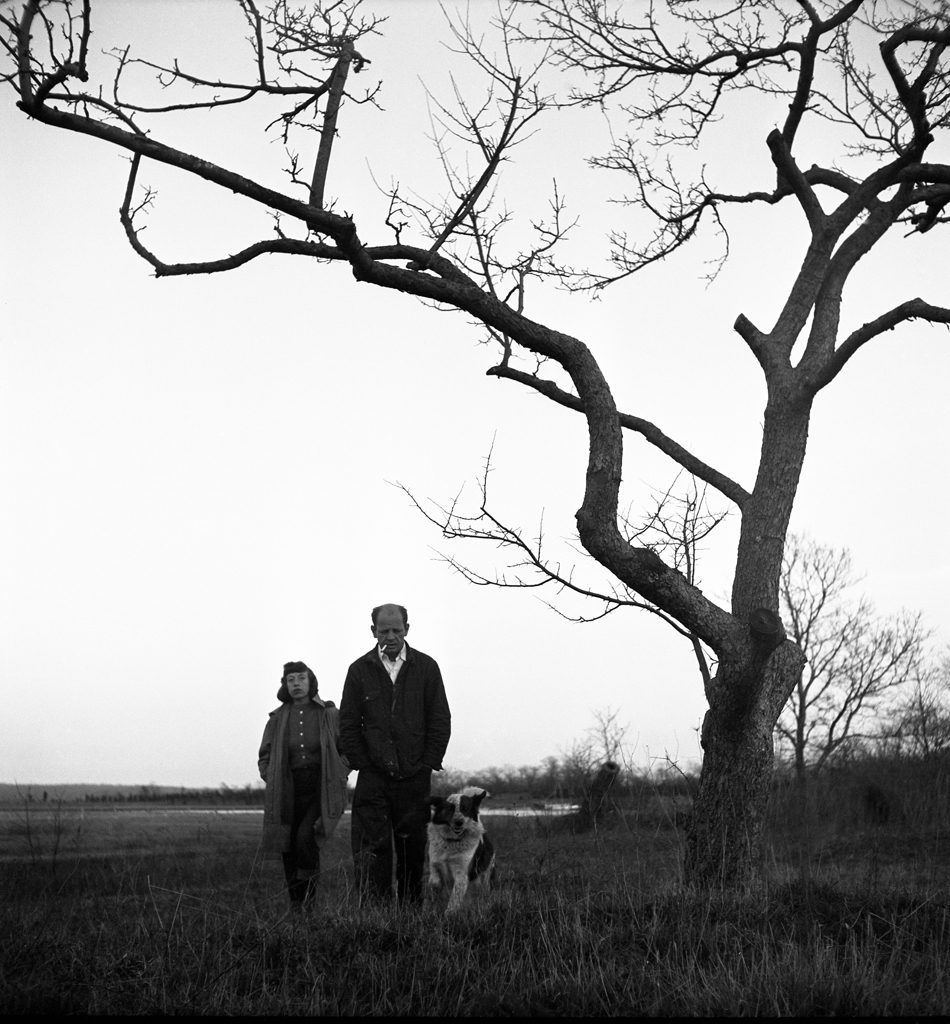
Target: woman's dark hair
[(295, 666)]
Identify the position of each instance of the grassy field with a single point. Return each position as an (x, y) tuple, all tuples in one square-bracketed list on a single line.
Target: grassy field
[(170, 912)]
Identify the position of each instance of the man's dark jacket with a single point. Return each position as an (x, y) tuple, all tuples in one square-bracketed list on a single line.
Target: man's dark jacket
[(397, 729)]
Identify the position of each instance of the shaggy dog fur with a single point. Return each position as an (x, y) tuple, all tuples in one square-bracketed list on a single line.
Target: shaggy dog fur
[(460, 852)]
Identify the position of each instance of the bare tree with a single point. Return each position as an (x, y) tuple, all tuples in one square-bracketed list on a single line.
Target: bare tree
[(856, 663), (603, 741), (874, 75), (921, 722)]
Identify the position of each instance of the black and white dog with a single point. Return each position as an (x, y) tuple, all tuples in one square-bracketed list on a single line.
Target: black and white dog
[(460, 852)]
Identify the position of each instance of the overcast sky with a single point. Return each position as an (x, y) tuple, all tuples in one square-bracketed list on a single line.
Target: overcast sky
[(199, 474)]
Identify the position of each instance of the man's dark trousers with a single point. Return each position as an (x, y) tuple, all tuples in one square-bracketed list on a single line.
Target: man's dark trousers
[(390, 813)]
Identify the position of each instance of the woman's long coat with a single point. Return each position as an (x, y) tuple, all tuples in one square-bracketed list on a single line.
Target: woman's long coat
[(274, 765)]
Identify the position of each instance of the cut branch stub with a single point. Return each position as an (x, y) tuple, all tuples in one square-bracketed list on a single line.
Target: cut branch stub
[(766, 626), (767, 631)]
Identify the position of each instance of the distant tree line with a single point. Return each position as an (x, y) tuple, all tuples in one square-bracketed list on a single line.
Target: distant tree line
[(247, 796), (558, 779)]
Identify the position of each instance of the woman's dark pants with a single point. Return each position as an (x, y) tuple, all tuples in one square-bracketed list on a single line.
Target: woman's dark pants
[(302, 861)]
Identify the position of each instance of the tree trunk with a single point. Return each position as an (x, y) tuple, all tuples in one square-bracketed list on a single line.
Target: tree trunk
[(724, 840), (755, 679)]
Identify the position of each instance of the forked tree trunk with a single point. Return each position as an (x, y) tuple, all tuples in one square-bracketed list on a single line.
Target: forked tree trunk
[(724, 840), (754, 680)]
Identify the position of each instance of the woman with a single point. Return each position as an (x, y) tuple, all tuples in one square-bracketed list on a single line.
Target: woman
[(306, 779)]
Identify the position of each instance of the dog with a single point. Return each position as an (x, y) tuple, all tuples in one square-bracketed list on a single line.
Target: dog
[(460, 852)]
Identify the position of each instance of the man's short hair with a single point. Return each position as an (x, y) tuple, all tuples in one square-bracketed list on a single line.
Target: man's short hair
[(375, 613)]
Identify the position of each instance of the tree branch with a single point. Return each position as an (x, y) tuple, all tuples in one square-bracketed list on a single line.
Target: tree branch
[(789, 172), (913, 309), (328, 131), (729, 488), (290, 246), (660, 532)]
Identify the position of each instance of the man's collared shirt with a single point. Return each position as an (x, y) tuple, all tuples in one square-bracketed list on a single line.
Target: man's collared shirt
[(393, 667)]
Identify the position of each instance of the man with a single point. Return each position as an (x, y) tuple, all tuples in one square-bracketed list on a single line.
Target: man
[(394, 728)]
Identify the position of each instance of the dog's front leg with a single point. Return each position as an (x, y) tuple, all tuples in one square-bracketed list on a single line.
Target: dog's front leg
[(459, 888), (438, 875)]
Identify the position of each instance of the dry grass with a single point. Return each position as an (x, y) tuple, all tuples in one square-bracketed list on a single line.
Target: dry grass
[(182, 916)]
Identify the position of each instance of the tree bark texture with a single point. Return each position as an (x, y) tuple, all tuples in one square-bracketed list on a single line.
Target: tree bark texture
[(766, 515), (724, 835)]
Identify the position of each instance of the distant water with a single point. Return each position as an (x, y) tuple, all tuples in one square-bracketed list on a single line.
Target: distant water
[(552, 810)]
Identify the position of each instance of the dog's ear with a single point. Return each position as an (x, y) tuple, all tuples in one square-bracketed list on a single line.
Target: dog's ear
[(436, 801), (480, 796)]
